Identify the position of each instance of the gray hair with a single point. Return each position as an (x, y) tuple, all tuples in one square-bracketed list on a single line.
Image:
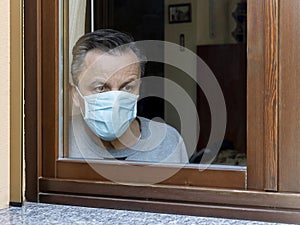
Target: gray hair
[(106, 40)]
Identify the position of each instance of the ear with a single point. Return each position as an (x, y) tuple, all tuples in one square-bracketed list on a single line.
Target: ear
[(75, 96)]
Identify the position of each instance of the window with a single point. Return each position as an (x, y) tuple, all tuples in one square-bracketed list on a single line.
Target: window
[(64, 168), (150, 22), (63, 179)]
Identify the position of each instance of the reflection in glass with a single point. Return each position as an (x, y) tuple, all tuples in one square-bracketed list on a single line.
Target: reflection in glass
[(216, 33)]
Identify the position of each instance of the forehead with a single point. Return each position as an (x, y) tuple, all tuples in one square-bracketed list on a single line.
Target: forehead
[(107, 64)]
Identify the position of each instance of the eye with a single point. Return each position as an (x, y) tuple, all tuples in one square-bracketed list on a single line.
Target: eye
[(131, 86), (100, 88), (128, 88)]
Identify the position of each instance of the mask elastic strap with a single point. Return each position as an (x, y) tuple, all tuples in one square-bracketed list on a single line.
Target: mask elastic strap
[(85, 105), (77, 89)]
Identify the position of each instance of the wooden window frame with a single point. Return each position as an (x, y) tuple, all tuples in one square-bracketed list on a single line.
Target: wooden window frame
[(233, 194), (55, 167)]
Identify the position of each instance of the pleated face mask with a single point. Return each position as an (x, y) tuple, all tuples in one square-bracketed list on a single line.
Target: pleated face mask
[(109, 114)]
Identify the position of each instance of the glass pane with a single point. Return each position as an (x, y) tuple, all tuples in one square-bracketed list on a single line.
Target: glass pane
[(179, 98)]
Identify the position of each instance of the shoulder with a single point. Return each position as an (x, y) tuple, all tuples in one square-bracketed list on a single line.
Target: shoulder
[(169, 143), (148, 125)]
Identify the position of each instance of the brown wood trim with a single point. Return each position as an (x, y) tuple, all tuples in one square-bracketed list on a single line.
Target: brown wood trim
[(255, 94), (30, 94), (289, 132), (271, 25), (262, 94), (139, 173), (264, 214), (173, 193), (49, 62)]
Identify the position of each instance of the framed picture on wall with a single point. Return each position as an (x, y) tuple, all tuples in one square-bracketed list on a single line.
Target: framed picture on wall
[(180, 13)]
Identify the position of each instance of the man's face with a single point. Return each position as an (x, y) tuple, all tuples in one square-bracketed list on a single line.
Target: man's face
[(103, 72)]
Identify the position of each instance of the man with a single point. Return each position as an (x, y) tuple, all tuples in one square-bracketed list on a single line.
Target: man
[(106, 71)]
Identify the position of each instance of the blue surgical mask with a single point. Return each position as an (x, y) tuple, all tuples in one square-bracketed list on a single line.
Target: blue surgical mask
[(109, 114)]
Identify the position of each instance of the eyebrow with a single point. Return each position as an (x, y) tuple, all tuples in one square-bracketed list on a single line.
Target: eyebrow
[(98, 81), (128, 82), (102, 82)]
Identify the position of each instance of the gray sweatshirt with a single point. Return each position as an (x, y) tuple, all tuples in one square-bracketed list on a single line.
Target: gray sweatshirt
[(158, 143)]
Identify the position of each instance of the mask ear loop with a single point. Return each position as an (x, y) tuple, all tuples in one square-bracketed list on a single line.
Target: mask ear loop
[(85, 104)]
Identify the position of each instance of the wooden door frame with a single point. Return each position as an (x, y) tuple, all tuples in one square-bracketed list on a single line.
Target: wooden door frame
[(262, 133), (31, 71)]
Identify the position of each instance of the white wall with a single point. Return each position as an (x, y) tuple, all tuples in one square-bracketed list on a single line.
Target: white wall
[(220, 22), (4, 101), (172, 34), (196, 33)]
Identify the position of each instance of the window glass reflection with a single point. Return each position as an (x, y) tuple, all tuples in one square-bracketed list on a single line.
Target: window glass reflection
[(215, 31)]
